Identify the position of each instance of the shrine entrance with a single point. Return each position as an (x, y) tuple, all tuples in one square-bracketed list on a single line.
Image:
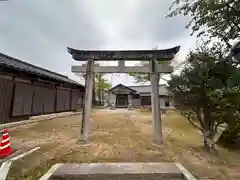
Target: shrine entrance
[(158, 63), (122, 100)]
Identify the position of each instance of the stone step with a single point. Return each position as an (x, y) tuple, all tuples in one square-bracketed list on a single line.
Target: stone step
[(116, 177), (114, 171)]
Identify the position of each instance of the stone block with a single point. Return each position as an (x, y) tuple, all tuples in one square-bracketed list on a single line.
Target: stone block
[(117, 171)]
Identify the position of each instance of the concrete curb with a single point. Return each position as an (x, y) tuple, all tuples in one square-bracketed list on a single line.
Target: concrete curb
[(4, 169), (35, 120), (187, 175), (113, 170), (7, 164), (50, 172), (24, 154)]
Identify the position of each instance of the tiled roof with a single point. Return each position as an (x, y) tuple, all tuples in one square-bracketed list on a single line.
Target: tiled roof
[(120, 85), (144, 89), (147, 89), (19, 65)]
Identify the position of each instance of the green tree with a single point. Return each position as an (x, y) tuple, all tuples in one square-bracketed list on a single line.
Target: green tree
[(145, 77), (101, 86), (204, 92), (212, 18), (141, 77)]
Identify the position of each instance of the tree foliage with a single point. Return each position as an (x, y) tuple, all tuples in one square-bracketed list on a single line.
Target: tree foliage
[(141, 77), (101, 85), (215, 19), (212, 18), (207, 91)]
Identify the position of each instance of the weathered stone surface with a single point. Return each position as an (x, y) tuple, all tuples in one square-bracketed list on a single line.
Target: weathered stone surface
[(117, 171)]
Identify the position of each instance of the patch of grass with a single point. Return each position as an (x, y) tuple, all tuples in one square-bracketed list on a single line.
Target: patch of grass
[(119, 137)]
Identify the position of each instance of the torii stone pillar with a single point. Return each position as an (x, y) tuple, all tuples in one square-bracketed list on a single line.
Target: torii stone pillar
[(84, 136), (155, 104)]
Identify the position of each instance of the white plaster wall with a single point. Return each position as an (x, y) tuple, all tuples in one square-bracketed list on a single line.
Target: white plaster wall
[(130, 97), (136, 102), (162, 101)]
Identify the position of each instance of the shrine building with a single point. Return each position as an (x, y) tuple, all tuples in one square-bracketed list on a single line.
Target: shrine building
[(140, 96)]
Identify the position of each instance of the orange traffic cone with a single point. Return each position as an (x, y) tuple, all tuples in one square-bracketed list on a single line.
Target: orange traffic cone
[(5, 146)]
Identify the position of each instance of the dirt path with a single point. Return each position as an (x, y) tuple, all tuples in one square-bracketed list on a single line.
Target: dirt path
[(117, 136)]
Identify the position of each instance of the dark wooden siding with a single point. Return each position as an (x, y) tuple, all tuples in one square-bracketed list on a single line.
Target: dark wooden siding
[(37, 106), (43, 100), (63, 99), (6, 94), (146, 100), (21, 98), (35, 100), (67, 100), (49, 100), (22, 103), (60, 100), (76, 100)]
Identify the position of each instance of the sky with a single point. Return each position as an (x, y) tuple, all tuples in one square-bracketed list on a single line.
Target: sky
[(39, 31)]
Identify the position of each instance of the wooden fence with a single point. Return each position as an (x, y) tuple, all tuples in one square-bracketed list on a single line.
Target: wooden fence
[(21, 99), (6, 93)]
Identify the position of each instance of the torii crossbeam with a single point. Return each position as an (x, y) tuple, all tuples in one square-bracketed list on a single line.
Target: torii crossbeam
[(158, 63)]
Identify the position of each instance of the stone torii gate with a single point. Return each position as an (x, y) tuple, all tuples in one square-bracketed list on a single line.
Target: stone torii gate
[(156, 65)]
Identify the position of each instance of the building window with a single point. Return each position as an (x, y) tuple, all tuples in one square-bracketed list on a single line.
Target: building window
[(167, 103), (146, 100)]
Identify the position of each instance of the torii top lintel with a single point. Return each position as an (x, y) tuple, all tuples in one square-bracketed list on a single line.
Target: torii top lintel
[(129, 55)]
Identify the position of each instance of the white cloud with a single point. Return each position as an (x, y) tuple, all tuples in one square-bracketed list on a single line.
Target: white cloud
[(39, 31)]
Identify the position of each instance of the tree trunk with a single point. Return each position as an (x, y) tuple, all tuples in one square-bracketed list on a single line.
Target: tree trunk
[(208, 140), (94, 94), (208, 133), (102, 97), (99, 96)]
